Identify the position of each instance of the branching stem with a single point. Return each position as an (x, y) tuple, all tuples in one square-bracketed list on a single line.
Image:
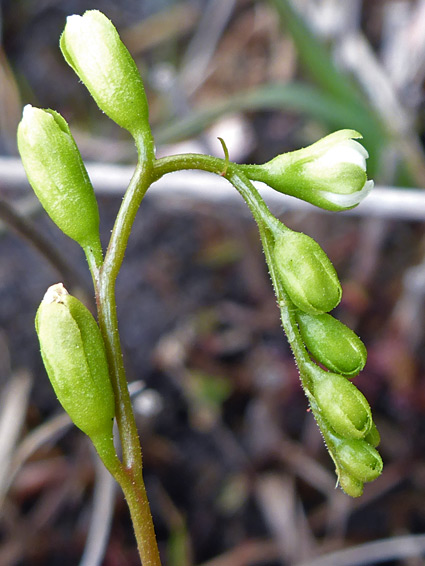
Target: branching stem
[(128, 473)]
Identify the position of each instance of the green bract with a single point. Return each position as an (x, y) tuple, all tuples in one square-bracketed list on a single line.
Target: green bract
[(341, 404), (74, 356), (92, 47), (332, 343), (359, 459), (308, 275), (57, 174), (330, 173)]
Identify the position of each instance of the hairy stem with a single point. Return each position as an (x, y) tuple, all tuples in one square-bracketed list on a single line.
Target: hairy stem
[(129, 472), (221, 167), (268, 226), (137, 500)]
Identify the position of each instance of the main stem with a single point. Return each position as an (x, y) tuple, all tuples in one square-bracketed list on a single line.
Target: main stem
[(129, 472)]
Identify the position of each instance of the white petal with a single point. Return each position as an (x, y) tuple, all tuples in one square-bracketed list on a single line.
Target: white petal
[(29, 111), (55, 293), (348, 201), (348, 151)]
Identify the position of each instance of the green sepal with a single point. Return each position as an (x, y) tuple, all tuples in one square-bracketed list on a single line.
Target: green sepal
[(57, 174), (306, 272), (373, 437), (350, 485), (332, 343), (74, 356)]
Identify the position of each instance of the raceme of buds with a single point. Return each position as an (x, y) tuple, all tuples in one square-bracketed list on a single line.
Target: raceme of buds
[(74, 356), (332, 343), (92, 47), (330, 173), (306, 273), (341, 404), (359, 459), (57, 174)]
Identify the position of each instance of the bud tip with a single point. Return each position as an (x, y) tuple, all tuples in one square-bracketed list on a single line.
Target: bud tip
[(55, 294)]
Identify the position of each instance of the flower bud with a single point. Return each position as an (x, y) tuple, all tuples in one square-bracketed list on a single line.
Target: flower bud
[(74, 356), (351, 486), (341, 404), (92, 47), (57, 174), (307, 273), (359, 459), (330, 173), (332, 343)]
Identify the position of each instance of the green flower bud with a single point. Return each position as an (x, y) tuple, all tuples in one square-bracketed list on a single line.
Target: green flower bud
[(92, 47), (57, 174), (351, 486), (341, 404), (359, 459), (332, 343), (74, 356), (307, 273), (330, 173)]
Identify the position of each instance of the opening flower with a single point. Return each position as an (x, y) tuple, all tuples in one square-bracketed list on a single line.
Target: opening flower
[(330, 173)]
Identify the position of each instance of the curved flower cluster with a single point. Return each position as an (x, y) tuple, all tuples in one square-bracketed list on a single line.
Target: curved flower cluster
[(342, 411)]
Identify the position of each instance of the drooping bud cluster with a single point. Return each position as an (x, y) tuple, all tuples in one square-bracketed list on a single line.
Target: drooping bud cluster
[(344, 415), (347, 426)]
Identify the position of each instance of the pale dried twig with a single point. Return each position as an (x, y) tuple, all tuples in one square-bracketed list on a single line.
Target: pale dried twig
[(383, 201)]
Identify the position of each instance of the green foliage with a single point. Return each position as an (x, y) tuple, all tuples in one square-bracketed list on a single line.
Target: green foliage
[(336, 86)]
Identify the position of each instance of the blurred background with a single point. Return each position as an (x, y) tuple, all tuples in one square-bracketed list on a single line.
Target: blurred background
[(236, 470)]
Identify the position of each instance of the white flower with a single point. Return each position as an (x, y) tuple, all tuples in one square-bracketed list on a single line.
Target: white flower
[(331, 173)]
